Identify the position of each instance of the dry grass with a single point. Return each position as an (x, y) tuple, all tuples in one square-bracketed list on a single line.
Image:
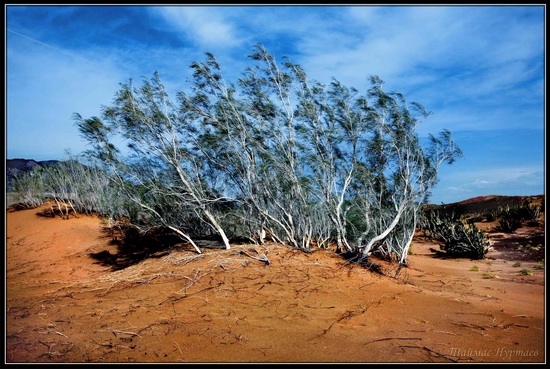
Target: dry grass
[(490, 275)]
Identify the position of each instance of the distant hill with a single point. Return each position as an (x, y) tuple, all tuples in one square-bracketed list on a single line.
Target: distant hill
[(26, 164), (16, 166), (484, 204)]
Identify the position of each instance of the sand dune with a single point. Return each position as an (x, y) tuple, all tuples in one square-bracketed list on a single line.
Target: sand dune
[(228, 306)]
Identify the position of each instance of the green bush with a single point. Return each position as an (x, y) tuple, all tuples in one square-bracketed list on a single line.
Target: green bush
[(508, 225), (72, 186), (511, 217), (457, 238), (476, 219), (491, 216)]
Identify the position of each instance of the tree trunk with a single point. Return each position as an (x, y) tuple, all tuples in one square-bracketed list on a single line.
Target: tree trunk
[(409, 242), (218, 228), (381, 236), (185, 236)]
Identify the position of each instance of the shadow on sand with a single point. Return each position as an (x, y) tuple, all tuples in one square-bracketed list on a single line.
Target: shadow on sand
[(133, 246)]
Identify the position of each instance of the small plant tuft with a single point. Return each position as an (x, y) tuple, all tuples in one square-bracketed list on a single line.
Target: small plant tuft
[(490, 275)]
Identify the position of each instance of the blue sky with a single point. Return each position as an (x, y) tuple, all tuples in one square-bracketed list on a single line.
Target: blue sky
[(479, 69)]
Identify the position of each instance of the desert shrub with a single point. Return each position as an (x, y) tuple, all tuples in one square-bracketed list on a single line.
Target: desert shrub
[(433, 223), (536, 247), (476, 219), (474, 268), (530, 211), (467, 241), (73, 187), (539, 266), (28, 188), (508, 225), (526, 272), (511, 217), (491, 215), (517, 264), (457, 238)]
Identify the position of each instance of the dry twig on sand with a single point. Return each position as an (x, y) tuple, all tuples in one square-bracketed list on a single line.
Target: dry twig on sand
[(263, 258), (395, 338), (174, 299), (115, 331), (348, 314)]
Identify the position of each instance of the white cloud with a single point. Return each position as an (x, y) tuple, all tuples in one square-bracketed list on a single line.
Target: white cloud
[(475, 67), (390, 42), (497, 175), (459, 185), (205, 26)]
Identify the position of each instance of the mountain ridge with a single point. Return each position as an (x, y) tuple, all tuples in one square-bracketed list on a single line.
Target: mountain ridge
[(17, 165)]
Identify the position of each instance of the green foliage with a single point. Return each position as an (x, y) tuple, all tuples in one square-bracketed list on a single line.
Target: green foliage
[(474, 268), (28, 188), (272, 154), (526, 272), (508, 225), (456, 237), (517, 264), (511, 217), (491, 216), (73, 187), (476, 219)]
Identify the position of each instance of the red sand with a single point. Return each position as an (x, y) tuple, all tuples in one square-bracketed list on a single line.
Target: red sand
[(224, 306)]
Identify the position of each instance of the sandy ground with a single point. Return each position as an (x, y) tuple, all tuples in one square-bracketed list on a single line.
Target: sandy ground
[(62, 305)]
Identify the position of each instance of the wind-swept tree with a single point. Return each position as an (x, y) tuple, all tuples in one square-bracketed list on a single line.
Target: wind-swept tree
[(162, 174), (276, 155), (404, 172)]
